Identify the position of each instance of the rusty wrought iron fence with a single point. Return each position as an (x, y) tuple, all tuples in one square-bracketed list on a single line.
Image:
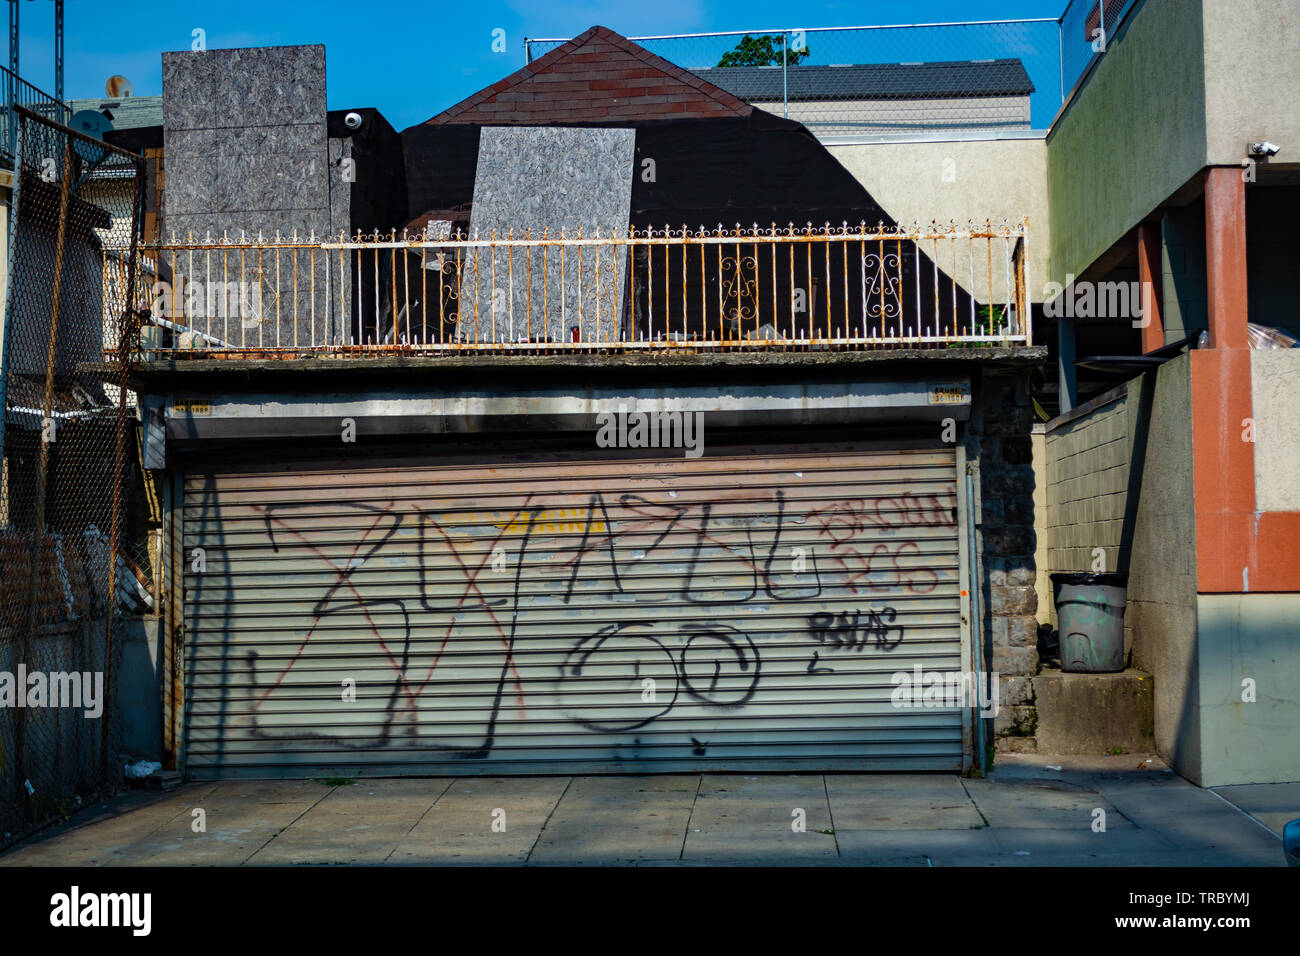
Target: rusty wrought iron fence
[(66, 448), (785, 287), (19, 94)]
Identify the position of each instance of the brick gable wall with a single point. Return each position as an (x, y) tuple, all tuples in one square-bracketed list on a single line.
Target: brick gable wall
[(598, 76)]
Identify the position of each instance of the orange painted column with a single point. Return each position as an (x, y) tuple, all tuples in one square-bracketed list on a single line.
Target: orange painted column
[(1223, 463), (1225, 256), (1237, 549), (1150, 281)]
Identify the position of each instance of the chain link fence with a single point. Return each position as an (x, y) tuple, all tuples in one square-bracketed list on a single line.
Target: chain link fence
[(1086, 26), (898, 80), (68, 454)]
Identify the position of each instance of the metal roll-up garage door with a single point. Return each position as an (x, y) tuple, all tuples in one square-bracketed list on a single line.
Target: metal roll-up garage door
[(746, 610)]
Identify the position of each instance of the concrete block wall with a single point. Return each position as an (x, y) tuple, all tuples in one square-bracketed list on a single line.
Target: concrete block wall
[(1087, 454)]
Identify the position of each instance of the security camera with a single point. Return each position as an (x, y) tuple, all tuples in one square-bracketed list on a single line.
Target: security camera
[(353, 121), (1264, 149)]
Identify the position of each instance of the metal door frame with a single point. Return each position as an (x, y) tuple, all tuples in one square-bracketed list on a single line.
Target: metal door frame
[(966, 586), (175, 703)]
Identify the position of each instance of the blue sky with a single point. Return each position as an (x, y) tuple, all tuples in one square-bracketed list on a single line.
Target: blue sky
[(413, 59)]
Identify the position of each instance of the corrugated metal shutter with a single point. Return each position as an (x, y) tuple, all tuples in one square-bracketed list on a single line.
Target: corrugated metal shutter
[(735, 611)]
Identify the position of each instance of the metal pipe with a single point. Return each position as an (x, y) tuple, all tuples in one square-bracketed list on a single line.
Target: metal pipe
[(178, 327), (58, 59), (1060, 54), (976, 613), (11, 81), (127, 346), (11, 224), (877, 26), (785, 74)]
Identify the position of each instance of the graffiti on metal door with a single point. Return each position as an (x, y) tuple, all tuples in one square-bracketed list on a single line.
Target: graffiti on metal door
[(628, 615)]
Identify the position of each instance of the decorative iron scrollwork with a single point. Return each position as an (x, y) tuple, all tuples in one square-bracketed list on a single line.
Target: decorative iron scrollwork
[(737, 287), (880, 285)]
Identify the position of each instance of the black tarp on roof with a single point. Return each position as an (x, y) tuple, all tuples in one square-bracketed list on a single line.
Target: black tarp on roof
[(760, 168)]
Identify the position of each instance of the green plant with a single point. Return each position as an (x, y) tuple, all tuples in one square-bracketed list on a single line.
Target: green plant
[(335, 781), (1115, 751), (762, 51), (988, 321)]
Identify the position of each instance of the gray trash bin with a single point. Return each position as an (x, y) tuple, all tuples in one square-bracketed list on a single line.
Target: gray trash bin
[(1090, 617)]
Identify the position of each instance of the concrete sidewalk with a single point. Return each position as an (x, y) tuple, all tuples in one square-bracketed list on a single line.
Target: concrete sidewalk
[(1025, 814)]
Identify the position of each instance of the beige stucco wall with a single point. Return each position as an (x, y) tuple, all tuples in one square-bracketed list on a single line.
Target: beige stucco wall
[(850, 117), (961, 180), (1275, 407), (1252, 77)]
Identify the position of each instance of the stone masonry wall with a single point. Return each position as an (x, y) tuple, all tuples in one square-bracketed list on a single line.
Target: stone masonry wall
[(998, 438)]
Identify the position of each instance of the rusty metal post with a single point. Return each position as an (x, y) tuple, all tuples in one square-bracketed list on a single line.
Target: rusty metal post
[(128, 335), (43, 460)]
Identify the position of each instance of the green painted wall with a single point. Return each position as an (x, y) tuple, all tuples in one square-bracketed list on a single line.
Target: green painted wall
[(1131, 137), (1183, 289)]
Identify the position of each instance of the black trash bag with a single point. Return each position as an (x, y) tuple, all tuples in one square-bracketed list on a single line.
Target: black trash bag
[(1049, 644)]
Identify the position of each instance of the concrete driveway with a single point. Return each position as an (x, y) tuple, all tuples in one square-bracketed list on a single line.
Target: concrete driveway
[(1027, 813)]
